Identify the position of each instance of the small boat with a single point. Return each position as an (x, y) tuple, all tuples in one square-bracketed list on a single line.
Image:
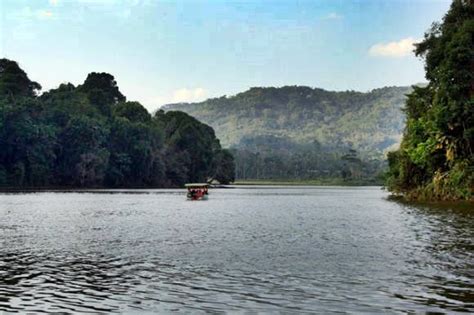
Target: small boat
[(197, 191)]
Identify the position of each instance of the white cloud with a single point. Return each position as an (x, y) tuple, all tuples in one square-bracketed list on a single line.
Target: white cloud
[(177, 96), (333, 16), (189, 95), (53, 2), (401, 48)]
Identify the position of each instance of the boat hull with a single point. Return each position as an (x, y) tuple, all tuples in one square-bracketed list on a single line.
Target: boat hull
[(205, 197)]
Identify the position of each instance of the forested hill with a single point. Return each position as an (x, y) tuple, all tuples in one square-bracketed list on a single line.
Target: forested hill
[(91, 136), (369, 122)]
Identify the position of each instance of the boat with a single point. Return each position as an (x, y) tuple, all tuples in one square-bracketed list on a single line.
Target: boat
[(197, 191)]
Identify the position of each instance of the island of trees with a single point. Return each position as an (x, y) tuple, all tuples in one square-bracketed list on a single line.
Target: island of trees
[(91, 136), (435, 159)]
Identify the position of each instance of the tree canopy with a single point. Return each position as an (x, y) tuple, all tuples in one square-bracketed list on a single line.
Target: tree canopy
[(435, 160), (90, 136), (14, 82), (302, 133)]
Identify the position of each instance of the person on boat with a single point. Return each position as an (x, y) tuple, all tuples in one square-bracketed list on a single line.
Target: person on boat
[(199, 193)]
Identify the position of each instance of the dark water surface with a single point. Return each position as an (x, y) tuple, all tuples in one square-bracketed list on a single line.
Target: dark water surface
[(289, 249)]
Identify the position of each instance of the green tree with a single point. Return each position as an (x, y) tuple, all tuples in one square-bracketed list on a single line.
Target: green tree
[(83, 156), (89, 136), (225, 167), (133, 111), (195, 141), (14, 82), (27, 143), (136, 154), (435, 160), (102, 91)]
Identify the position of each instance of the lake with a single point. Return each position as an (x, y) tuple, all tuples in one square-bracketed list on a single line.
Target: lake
[(263, 249)]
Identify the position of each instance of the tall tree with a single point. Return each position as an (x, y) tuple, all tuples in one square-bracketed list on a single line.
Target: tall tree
[(436, 155), (14, 82), (102, 91)]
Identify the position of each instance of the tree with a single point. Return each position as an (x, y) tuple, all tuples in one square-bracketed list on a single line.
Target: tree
[(196, 143), (89, 136), (225, 168), (102, 91), (82, 156), (27, 143), (435, 160), (136, 154), (14, 82), (133, 111)]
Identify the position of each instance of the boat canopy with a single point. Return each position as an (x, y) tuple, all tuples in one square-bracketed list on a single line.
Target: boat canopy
[(196, 185)]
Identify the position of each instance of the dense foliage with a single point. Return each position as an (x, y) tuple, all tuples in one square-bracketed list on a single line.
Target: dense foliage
[(301, 133), (369, 122), (435, 160), (90, 136), (277, 158)]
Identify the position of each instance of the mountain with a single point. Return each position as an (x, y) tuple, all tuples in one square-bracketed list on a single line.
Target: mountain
[(369, 122)]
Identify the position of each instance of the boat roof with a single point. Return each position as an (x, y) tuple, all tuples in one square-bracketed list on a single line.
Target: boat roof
[(196, 185)]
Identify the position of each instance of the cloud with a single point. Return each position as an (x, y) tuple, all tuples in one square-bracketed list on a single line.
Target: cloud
[(53, 2), (177, 96), (333, 16), (402, 48), (189, 95)]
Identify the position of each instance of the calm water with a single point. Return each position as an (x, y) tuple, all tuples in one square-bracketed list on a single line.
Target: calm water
[(280, 249)]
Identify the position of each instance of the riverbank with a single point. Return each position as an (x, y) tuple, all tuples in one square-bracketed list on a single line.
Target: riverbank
[(247, 182), (442, 188), (464, 205)]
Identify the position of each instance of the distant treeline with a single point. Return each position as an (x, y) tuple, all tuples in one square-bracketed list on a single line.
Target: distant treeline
[(301, 133), (278, 158), (436, 158), (91, 136)]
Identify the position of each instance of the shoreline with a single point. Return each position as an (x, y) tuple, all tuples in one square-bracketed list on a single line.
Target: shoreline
[(330, 182)]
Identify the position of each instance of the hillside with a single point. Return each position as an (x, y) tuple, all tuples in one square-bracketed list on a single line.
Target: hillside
[(368, 122)]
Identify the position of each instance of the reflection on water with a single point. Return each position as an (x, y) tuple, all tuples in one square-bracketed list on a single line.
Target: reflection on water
[(444, 256), (260, 249)]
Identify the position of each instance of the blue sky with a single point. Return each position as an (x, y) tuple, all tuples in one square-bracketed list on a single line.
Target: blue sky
[(170, 51)]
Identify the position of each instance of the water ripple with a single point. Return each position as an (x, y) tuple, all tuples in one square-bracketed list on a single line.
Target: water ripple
[(303, 250)]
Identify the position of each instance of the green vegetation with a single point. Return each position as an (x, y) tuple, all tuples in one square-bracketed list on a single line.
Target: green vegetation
[(435, 159), (90, 136), (272, 158), (368, 122), (309, 182), (301, 133)]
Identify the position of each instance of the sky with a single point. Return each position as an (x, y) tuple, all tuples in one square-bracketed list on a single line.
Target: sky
[(183, 51)]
